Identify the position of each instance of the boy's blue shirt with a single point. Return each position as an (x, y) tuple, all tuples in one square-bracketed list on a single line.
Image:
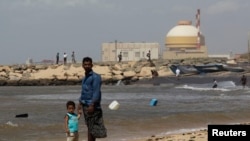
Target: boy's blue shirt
[(72, 122)]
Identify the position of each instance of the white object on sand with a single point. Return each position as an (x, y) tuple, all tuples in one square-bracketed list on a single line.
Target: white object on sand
[(114, 105)]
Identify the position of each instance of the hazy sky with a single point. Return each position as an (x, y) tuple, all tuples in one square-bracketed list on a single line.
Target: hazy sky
[(40, 28)]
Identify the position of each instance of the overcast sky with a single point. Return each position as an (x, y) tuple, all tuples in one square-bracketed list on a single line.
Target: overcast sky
[(40, 28)]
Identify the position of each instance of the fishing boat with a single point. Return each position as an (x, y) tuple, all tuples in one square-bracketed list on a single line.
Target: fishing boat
[(184, 69), (233, 68), (208, 68)]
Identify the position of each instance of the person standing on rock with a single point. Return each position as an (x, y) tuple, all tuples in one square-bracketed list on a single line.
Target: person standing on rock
[(149, 55), (57, 58), (120, 57), (90, 102), (73, 57), (65, 58)]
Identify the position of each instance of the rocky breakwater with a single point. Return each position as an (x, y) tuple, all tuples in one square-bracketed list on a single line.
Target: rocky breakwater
[(71, 74)]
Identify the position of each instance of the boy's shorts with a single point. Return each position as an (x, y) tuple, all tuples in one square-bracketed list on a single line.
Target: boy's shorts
[(73, 136)]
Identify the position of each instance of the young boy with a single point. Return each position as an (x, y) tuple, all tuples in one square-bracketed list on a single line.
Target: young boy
[(71, 122)]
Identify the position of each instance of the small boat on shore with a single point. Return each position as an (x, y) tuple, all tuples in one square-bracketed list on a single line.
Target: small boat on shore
[(233, 68), (184, 69), (208, 68)]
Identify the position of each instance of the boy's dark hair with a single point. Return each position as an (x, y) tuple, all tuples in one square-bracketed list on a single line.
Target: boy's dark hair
[(70, 103), (87, 59)]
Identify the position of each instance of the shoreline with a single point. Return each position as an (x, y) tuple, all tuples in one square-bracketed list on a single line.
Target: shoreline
[(196, 79), (194, 135), (171, 79), (135, 72)]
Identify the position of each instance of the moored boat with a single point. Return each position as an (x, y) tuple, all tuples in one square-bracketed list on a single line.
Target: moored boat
[(207, 68), (184, 69), (233, 68)]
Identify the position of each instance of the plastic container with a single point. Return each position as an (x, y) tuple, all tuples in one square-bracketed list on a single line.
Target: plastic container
[(153, 102), (22, 115), (114, 105)]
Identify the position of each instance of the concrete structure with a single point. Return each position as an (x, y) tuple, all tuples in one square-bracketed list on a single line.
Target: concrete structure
[(182, 41), (228, 56), (129, 51)]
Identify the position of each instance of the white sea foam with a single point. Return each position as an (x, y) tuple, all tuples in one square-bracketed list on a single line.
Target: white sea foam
[(119, 83), (222, 86), (11, 124)]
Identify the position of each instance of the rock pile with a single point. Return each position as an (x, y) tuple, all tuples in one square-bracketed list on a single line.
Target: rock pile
[(71, 74)]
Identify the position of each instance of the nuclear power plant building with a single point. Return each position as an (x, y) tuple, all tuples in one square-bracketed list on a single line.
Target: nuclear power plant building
[(184, 41)]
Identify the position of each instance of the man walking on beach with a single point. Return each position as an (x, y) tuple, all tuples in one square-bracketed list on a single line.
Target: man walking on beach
[(90, 102), (215, 84), (243, 81), (177, 73)]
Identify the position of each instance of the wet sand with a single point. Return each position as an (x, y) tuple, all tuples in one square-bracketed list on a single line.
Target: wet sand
[(200, 135)]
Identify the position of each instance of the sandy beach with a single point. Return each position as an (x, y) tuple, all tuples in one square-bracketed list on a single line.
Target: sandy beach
[(199, 135)]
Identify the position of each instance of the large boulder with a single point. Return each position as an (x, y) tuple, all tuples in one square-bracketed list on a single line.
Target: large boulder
[(5, 68), (146, 72), (15, 76), (102, 70), (129, 74), (164, 71)]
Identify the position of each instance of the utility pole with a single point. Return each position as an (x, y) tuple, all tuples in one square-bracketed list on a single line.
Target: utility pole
[(115, 50), (248, 45), (198, 27)]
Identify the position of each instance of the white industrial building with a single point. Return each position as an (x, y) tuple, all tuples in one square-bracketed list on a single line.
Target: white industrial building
[(129, 51)]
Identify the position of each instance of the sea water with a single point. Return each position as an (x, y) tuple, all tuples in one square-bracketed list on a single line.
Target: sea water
[(180, 107)]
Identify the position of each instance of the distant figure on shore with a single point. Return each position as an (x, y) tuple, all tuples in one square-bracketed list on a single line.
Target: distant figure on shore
[(73, 57), (215, 84), (149, 55), (154, 73), (120, 57), (57, 58), (243, 81), (177, 73), (64, 58)]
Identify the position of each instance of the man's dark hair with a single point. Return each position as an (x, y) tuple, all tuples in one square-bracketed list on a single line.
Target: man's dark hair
[(87, 59), (70, 103)]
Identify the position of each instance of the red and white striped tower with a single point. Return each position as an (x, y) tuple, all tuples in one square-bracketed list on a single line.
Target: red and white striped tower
[(198, 27)]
